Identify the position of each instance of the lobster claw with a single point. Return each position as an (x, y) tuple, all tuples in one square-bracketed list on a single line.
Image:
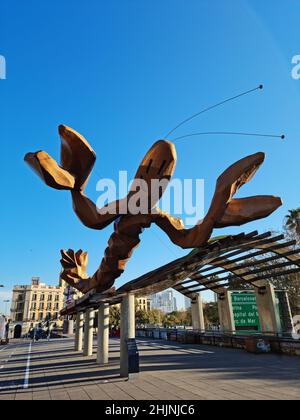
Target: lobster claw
[(49, 171), (74, 269), (226, 211), (77, 161), (245, 210), (77, 156)]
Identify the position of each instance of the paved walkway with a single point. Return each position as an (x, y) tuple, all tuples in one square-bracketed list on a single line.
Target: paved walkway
[(169, 372)]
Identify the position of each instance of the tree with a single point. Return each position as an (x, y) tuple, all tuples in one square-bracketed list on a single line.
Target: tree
[(155, 317), (211, 314), (184, 317), (293, 289), (171, 320), (177, 318), (114, 316), (292, 223), (142, 317)]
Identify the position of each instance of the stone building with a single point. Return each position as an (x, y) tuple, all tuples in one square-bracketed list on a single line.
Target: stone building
[(143, 303), (35, 303)]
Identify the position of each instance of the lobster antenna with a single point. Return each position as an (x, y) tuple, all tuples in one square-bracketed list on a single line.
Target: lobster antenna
[(230, 133), (212, 107)]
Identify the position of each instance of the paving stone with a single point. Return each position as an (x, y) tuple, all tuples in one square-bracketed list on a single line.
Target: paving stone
[(134, 391), (96, 393), (157, 393), (114, 392), (41, 395), (78, 394), (59, 395)]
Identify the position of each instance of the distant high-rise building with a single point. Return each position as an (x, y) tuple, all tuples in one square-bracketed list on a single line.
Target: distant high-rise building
[(187, 303), (165, 301), (175, 304)]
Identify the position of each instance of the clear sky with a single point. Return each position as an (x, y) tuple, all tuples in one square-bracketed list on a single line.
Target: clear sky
[(123, 73)]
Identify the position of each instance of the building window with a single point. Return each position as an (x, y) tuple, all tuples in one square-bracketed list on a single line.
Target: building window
[(42, 298), (34, 297), (50, 298), (56, 298), (41, 306), (41, 316), (20, 307), (33, 316), (56, 307), (49, 307)]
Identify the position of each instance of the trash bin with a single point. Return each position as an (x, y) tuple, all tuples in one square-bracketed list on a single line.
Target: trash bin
[(133, 357)]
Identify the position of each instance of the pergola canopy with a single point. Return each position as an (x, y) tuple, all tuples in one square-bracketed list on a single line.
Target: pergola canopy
[(242, 259)]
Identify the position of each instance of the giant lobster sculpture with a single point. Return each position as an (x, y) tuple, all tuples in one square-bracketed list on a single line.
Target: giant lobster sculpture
[(77, 161)]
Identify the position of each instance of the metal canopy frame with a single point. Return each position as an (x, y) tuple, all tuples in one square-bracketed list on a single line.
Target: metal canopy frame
[(214, 267)]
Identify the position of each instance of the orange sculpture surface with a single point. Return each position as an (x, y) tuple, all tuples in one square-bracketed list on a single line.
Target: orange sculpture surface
[(77, 161)]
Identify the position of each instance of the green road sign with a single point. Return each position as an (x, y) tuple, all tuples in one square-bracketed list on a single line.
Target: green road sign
[(245, 312)]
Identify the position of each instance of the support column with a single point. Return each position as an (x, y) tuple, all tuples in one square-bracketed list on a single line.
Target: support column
[(88, 332), (68, 327), (225, 312), (286, 313), (79, 331), (127, 331), (197, 314), (266, 305), (103, 334)]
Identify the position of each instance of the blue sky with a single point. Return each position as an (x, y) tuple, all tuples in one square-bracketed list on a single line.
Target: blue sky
[(123, 73)]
